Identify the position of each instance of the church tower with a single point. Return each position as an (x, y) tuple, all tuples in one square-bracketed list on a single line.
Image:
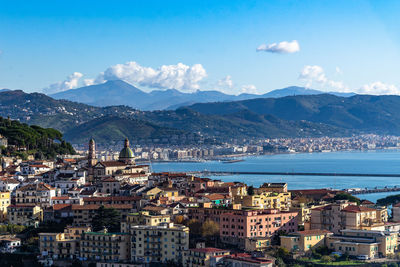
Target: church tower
[(126, 155), (92, 153)]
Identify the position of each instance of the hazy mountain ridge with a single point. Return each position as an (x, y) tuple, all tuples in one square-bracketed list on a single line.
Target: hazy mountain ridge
[(377, 114), (118, 92)]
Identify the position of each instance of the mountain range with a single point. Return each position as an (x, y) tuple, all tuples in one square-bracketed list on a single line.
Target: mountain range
[(118, 92), (78, 122), (289, 116)]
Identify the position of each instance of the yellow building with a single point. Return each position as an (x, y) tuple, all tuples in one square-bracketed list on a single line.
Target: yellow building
[(40, 194), (257, 243), (151, 193), (165, 242), (104, 246), (364, 242), (304, 241), (346, 215), (143, 218), (61, 245), (4, 203), (24, 214), (265, 200), (273, 187), (199, 257), (359, 217)]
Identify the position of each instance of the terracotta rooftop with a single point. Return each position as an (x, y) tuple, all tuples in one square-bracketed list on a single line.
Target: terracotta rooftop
[(113, 163), (367, 202), (60, 198), (96, 206), (154, 208), (208, 250), (356, 209), (314, 232), (61, 206), (113, 198), (215, 197)]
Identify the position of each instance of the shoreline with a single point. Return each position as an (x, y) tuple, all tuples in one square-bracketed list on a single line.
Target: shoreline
[(243, 156)]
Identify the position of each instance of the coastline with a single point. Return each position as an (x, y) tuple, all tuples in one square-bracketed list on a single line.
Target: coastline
[(243, 156)]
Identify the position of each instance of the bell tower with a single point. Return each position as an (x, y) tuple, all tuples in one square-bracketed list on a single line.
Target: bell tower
[(92, 153)]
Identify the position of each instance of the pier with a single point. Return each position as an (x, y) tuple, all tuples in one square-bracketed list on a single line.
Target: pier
[(222, 173), (353, 191), (372, 190)]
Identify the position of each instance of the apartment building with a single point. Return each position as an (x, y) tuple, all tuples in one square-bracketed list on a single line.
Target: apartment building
[(273, 187), (161, 243), (5, 201), (83, 214), (61, 245), (239, 225), (135, 201), (199, 257), (24, 214), (396, 212), (143, 218), (364, 242), (304, 241), (346, 215), (265, 200), (40, 194), (104, 246)]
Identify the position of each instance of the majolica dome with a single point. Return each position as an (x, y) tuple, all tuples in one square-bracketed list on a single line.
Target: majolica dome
[(126, 152)]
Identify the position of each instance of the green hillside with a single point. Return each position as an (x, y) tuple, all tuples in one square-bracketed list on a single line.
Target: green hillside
[(24, 140), (113, 129)]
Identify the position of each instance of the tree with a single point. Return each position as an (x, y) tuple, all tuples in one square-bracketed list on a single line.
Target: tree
[(250, 190), (194, 226), (106, 218), (326, 259), (210, 228), (179, 219), (346, 196), (279, 262), (282, 253)]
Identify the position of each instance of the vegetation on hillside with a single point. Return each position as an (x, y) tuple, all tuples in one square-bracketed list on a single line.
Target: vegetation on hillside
[(389, 200), (24, 140), (108, 218), (293, 116)]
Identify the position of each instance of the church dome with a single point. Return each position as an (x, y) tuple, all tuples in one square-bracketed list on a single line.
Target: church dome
[(126, 153)]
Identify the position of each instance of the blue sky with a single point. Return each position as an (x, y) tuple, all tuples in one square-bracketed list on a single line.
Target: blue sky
[(343, 45)]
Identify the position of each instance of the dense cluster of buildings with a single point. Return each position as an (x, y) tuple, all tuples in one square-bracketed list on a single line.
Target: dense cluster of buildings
[(156, 213), (251, 147)]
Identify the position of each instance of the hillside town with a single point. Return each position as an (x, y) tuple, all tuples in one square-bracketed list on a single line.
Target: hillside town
[(107, 213)]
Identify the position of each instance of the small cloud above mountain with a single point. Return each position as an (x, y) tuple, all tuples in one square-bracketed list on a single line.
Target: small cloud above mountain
[(379, 88), (71, 82), (280, 48)]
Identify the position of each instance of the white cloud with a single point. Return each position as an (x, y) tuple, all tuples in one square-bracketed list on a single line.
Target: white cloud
[(249, 89), (315, 75), (379, 88), (225, 82), (179, 76), (88, 82), (71, 82), (280, 48), (339, 71)]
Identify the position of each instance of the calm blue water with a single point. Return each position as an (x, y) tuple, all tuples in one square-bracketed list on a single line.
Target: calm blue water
[(379, 161)]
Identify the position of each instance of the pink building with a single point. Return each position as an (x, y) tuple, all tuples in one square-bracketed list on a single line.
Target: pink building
[(236, 226)]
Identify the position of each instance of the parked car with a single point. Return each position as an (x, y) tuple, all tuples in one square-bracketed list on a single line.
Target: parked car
[(362, 257)]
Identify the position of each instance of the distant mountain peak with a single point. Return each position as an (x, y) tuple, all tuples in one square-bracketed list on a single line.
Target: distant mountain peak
[(119, 92)]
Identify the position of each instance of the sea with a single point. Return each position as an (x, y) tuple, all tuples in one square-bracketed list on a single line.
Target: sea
[(385, 161)]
